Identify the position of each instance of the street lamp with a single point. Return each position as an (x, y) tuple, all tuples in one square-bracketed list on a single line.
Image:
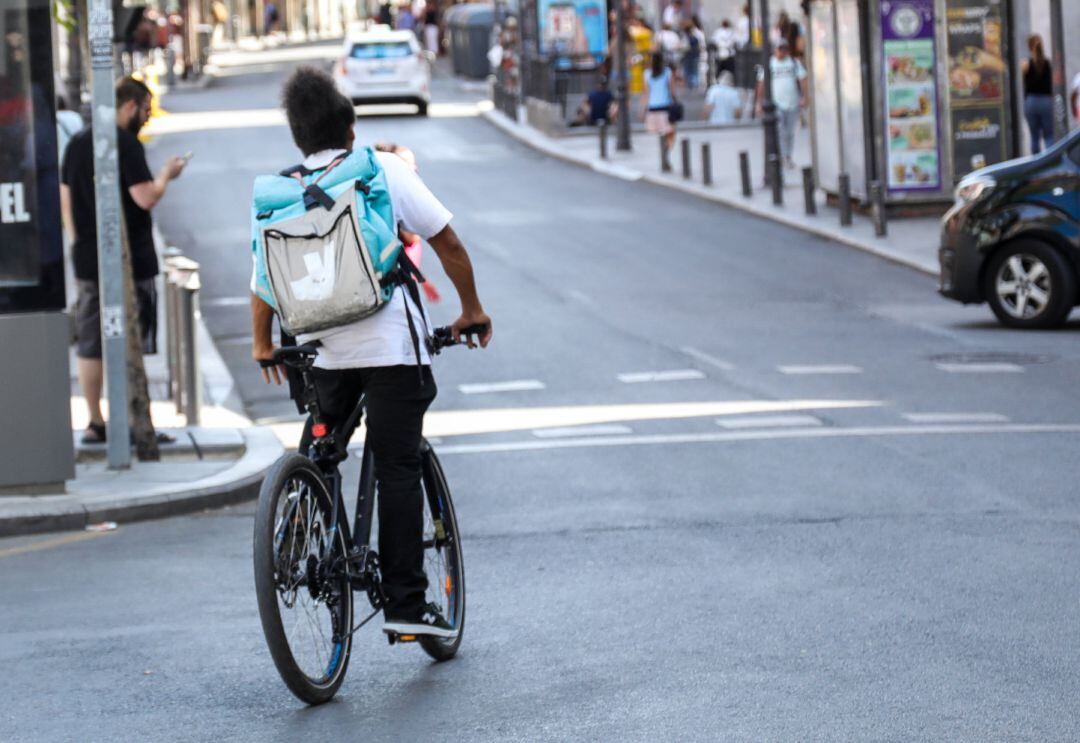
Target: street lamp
[(622, 143), (768, 106)]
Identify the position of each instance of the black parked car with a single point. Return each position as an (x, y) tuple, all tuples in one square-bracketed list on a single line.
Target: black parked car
[(1013, 238)]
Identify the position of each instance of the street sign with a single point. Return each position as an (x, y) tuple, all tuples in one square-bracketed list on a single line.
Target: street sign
[(110, 258)]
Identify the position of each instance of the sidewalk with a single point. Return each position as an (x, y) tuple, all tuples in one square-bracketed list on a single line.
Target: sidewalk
[(910, 241)]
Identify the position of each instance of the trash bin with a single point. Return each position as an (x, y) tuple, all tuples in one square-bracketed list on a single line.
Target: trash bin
[(470, 38)]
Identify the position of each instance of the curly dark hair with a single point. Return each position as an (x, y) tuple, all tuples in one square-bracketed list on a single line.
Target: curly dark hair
[(320, 117)]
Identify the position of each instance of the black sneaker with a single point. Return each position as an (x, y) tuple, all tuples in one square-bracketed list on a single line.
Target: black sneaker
[(427, 621)]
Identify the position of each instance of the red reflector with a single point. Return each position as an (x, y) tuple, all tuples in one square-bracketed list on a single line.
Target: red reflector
[(318, 430)]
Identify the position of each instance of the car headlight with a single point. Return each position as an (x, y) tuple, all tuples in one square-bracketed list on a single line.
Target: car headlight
[(971, 189)]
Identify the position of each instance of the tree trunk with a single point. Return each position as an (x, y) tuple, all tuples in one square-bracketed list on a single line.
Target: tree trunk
[(142, 428)]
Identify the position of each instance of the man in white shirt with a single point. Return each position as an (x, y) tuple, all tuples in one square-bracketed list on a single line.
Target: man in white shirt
[(789, 95), (376, 356), (672, 16), (722, 101), (725, 39)]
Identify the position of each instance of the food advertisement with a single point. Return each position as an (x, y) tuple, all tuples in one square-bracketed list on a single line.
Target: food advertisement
[(913, 152), (978, 84)]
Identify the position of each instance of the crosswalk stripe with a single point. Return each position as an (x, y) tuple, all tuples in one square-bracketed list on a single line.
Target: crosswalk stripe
[(768, 421), (516, 385), (673, 375), (819, 369), (989, 368), (569, 431), (955, 417)]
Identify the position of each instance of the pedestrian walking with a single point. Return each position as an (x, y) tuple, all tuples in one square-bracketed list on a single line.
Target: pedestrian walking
[(742, 29), (659, 87), (406, 21), (139, 193), (386, 14), (723, 104), (221, 18), (789, 95), (670, 45), (672, 15), (694, 38), (1038, 95), (725, 39), (431, 27), (642, 40), (270, 18)]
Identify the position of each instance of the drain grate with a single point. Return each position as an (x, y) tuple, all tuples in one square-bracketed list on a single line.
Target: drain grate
[(992, 357)]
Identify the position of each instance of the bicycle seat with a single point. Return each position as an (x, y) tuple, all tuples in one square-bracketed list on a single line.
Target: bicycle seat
[(296, 356)]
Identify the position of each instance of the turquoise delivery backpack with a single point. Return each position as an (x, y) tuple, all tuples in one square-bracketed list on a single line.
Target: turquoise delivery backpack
[(326, 247)]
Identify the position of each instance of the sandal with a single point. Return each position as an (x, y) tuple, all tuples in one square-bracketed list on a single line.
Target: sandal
[(95, 434)]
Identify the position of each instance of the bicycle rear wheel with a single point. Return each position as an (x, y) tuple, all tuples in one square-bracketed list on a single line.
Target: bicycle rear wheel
[(305, 600), (442, 557)]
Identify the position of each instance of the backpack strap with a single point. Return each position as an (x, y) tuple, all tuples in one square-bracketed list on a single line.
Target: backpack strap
[(313, 195)]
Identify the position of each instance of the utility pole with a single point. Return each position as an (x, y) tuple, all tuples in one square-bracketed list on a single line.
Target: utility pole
[(768, 106), (110, 259), (622, 92), (1057, 61)]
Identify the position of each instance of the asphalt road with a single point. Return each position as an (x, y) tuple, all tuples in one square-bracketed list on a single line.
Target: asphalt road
[(800, 498)]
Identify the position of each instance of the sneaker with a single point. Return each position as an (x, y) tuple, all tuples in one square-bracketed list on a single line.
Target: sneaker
[(427, 621)]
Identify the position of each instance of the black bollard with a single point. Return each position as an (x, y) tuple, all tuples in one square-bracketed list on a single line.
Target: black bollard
[(877, 205), (603, 140), (845, 200), (776, 180), (706, 164), (744, 173), (686, 158), (665, 161), (808, 191)]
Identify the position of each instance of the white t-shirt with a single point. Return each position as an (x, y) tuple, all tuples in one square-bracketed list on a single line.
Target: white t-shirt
[(671, 15), (743, 31), (725, 39), (384, 339), (786, 75), (725, 101)]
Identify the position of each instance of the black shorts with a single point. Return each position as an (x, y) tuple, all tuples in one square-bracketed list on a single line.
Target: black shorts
[(88, 318)]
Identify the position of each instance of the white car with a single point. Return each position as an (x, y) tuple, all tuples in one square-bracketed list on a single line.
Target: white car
[(385, 66)]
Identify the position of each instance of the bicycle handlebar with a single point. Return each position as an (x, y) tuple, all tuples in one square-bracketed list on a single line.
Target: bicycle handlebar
[(294, 355)]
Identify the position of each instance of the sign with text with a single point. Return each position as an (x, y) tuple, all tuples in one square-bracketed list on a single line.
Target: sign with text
[(31, 251), (913, 153), (573, 29)]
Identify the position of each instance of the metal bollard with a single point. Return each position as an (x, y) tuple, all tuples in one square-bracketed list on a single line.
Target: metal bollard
[(845, 200), (686, 158), (744, 173), (185, 380), (776, 180), (603, 140), (665, 162), (808, 191), (706, 164), (877, 205)]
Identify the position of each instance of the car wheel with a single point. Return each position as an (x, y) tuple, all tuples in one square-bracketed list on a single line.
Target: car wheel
[(421, 108), (1030, 285)]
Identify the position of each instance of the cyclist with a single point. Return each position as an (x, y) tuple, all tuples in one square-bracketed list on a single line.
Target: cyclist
[(375, 357)]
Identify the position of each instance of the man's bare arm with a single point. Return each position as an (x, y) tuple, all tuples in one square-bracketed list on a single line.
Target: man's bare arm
[(262, 341), (65, 212), (148, 193), (455, 261)]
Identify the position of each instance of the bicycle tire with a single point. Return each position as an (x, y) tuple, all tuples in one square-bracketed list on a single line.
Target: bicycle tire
[(436, 491), (294, 471)]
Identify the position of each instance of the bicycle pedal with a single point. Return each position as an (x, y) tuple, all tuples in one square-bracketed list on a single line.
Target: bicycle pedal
[(394, 637)]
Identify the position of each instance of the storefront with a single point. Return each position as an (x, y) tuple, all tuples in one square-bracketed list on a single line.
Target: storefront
[(913, 94)]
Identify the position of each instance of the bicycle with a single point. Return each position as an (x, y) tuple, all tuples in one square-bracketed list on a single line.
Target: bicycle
[(308, 563)]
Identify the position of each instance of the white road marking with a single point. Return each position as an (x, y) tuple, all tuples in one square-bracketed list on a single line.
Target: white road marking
[(990, 368), (672, 375), (707, 358), (768, 421), (517, 385), (570, 431), (819, 369), (774, 435), (955, 417), (227, 301)]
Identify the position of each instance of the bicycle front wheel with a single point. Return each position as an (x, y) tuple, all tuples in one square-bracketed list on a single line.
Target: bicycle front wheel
[(442, 557), (305, 600)]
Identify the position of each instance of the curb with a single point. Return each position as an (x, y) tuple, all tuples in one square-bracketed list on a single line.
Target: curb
[(536, 141), (236, 484)]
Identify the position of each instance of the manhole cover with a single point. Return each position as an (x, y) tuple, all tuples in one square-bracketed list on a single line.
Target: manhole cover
[(992, 357)]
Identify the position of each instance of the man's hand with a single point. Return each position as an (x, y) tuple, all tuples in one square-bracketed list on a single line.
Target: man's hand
[(266, 353), (469, 319), (173, 168)]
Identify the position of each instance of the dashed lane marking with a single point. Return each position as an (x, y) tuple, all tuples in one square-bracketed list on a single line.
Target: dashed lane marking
[(955, 417), (516, 385), (707, 358), (771, 435), (672, 375), (819, 369), (45, 544), (571, 431), (226, 301), (988, 368), (768, 421)]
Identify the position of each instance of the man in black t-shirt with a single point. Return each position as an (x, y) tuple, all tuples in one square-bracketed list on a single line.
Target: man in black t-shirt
[(140, 192)]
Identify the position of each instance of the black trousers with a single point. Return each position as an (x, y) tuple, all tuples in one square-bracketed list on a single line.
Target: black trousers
[(395, 401)]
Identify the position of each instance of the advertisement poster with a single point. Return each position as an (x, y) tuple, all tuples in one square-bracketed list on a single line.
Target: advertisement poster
[(978, 84), (573, 29), (911, 118)]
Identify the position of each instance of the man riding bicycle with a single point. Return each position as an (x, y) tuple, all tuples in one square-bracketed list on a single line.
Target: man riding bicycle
[(377, 357)]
